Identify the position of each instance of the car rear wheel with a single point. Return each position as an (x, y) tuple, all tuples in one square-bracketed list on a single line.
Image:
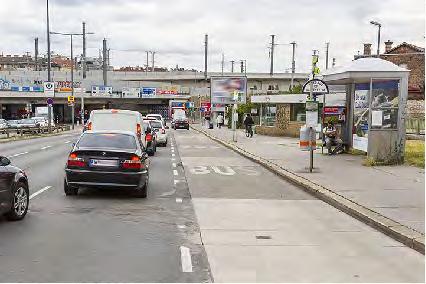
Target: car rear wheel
[(141, 192), (70, 190), (20, 202)]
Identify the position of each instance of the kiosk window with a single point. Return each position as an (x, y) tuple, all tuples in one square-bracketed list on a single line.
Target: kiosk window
[(384, 104)]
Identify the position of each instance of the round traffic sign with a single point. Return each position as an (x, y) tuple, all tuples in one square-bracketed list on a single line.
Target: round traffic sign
[(49, 101)]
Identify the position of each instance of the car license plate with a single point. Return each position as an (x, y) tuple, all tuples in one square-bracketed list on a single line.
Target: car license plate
[(103, 163)]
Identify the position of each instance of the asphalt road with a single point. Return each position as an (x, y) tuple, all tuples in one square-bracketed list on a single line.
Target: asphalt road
[(100, 235), (210, 215)]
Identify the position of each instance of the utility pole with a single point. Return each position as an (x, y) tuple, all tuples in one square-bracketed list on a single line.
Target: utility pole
[(83, 62), (223, 62), (327, 45), (109, 58), (72, 84), (271, 72), (147, 62), (242, 66), (293, 65), (49, 78), (206, 42), (312, 98), (152, 60), (104, 61), (232, 66), (36, 54)]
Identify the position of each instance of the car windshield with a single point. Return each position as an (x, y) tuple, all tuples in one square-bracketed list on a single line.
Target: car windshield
[(156, 124), (107, 140)]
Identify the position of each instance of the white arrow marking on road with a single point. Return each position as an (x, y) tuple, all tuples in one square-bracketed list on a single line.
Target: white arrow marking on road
[(40, 191), (66, 142), (175, 172), (185, 257), (181, 226), (45, 147)]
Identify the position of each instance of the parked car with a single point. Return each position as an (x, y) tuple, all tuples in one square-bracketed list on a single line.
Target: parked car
[(180, 121), (14, 193), (157, 117), (116, 119), (107, 159), (160, 130), (28, 125), (42, 121), (3, 125), (14, 123), (150, 138)]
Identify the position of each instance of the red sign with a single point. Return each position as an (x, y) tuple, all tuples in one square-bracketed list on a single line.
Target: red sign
[(166, 92), (206, 106), (331, 110)]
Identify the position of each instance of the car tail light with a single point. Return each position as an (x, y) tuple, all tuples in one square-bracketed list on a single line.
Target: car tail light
[(75, 161), (163, 131), (133, 163), (89, 126), (138, 129), (148, 137), (114, 111)]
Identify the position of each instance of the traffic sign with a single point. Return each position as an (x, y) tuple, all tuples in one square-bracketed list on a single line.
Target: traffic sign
[(49, 101), (49, 88), (71, 99)]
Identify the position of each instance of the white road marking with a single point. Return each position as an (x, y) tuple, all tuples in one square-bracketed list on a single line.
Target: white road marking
[(173, 155), (178, 200), (45, 147), (174, 165), (19, 154), (181, 226), (66, 142), (176, 181), (173, 159), (173, 150), (40, 191), (175, 172), (185, 257)]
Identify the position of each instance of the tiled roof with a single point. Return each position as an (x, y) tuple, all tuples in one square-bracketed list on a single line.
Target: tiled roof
[(412, 46)]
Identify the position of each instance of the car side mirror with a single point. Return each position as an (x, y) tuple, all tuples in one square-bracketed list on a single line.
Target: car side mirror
[(4, 161)]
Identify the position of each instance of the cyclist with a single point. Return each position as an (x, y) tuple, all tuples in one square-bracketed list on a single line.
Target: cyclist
[(248, 122)]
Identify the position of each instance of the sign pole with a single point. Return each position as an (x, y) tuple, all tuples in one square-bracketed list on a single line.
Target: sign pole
[(234, 123), (72, 86)]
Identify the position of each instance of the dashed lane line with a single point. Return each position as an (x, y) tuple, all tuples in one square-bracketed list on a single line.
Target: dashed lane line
[(173, 154), (40, 191), (185, 257), (18, 154), (46, 147), (175, 172), (179, 200), (174, 165), (66, 142)]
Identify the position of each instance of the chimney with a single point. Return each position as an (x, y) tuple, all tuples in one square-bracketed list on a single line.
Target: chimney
[(367, 49), (388, 46)]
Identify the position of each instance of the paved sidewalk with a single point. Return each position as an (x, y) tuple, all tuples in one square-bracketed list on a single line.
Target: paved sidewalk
[(396, 192)]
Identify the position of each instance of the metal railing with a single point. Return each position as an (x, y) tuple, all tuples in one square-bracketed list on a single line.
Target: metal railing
[(31, 131), (415, 125)]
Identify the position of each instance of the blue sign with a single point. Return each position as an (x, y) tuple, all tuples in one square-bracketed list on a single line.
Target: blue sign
[(148, 92), (49, 101)]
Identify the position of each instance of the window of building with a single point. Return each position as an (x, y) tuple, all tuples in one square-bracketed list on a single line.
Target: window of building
[(297, 112)]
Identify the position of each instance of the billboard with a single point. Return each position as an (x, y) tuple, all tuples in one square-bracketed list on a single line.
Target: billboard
[(222, 89)]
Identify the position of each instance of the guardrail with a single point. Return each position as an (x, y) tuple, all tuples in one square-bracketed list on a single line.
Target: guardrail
[(21, 131)]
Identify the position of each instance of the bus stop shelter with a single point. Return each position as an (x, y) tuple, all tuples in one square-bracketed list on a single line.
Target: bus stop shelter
[(376, 98)]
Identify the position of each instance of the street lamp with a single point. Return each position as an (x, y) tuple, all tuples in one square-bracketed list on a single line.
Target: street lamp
[(377, 24), (72, 68)]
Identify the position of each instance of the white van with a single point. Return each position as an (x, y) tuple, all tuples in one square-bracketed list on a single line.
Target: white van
[(116, 119)]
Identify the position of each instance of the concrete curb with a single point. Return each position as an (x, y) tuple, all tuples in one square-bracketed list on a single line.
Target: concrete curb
[(393, 229)]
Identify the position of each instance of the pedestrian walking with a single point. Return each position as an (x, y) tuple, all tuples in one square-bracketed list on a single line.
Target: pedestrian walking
[(219, 120)]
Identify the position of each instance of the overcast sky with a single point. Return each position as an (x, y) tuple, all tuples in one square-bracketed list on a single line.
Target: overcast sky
[(239, 28)]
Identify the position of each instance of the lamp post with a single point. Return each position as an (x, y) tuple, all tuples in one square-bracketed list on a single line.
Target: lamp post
[(72, 72), (377, 24)]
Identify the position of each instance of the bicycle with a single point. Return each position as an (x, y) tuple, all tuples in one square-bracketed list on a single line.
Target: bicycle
[(249, 131)]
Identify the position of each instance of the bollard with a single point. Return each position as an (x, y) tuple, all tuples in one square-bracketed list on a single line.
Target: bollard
[(7, 133)]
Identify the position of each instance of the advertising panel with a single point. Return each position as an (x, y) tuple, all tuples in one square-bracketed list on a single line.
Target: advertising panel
[(222, 89), (361, 113)]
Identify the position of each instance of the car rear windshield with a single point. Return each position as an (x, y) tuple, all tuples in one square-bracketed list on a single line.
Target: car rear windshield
[(107, 140), (156, 124)]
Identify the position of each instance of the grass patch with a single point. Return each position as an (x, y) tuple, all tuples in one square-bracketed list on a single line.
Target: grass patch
[(415, 153)]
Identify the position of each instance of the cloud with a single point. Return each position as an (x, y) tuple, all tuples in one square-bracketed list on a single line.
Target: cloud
[(239, 28)]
